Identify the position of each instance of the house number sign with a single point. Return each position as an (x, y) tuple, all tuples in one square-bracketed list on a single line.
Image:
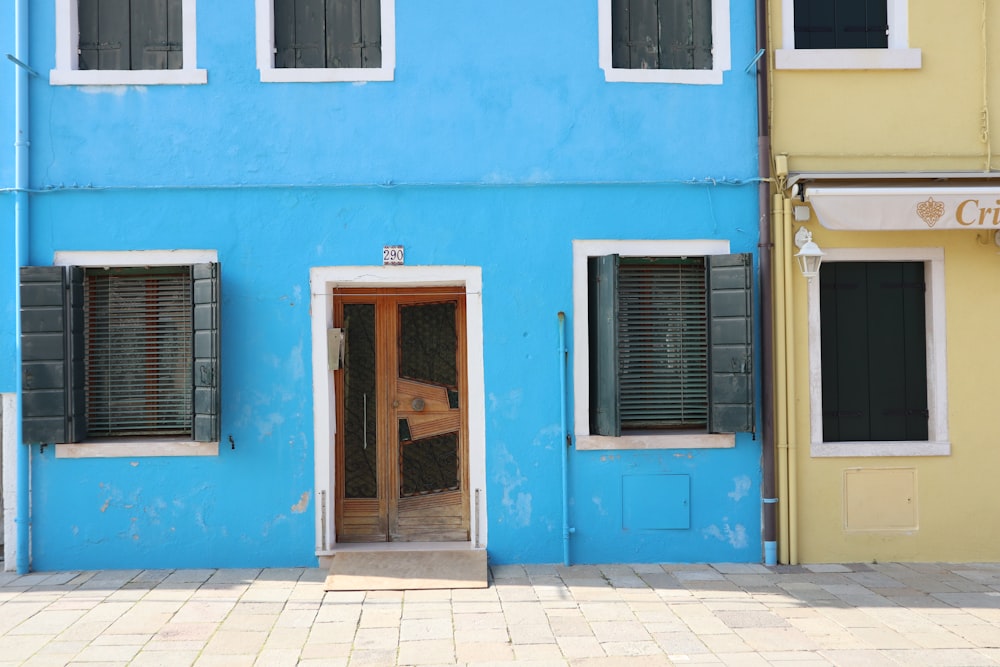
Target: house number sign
[(392, 254)]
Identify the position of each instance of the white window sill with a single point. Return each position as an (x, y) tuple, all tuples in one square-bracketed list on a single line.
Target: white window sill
[(324, 75), (104, 449), (652, 441), (688, 76), (146, 77), (898, 448), (847, 59)]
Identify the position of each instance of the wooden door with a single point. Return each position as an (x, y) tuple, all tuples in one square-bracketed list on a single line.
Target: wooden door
[(401, 443)]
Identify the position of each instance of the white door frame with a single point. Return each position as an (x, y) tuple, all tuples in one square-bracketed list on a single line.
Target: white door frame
[(322, 281)]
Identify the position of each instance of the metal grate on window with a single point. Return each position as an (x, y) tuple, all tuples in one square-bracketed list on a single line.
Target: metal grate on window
[(138, 339), (663, 344)]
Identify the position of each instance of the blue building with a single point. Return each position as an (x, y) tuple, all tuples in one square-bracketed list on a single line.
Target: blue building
[(303, 274)]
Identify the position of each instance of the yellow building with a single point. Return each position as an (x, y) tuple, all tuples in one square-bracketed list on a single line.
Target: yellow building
[(886, 367)]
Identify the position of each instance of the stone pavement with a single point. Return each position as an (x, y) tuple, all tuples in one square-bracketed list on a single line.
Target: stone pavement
[(720, 614)]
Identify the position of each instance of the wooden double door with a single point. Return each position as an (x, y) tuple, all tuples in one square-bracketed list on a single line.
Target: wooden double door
[(401, 444)]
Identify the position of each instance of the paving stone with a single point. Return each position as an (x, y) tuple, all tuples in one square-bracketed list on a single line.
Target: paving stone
[(426, 652), (484, 651), (421, 629)]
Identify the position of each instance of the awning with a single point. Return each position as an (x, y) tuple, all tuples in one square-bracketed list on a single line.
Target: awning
[(905, 208)]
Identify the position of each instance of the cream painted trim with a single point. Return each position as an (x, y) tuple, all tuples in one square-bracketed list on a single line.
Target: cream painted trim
[(897, 56), (834, 59), (129, 448), (271, 74), (8, 451), (686, 441), (937, 373), (105, 258), (66, 72), (721, 59), (582, 250), (136, 449), (322, 281)]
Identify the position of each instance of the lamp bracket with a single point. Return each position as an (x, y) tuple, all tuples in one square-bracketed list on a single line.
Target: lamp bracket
[(802, 237)]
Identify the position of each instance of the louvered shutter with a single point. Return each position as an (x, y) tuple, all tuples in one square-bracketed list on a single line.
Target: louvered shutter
[(662, 344), (53, 409), (731, 383), (207, 367), (603, 326)]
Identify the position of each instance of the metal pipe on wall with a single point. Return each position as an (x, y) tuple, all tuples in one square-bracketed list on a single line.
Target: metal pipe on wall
[(21, 217), (564, 437), (781, 394), (765, 249), (786, 231)]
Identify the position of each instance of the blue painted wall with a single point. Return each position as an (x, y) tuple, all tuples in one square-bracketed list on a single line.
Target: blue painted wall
[(497, 144)]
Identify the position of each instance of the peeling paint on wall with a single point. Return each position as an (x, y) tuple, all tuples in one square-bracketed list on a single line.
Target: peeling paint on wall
[(302, 505), (741, 486), (735, 536)]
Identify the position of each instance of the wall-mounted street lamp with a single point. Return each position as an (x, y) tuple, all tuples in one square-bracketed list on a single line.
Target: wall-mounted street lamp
[(809, 254)]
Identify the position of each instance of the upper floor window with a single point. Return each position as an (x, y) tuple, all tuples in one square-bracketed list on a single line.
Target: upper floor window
[(668, 41), (114, 42), (841, 24), (326, 40), (845, 34)]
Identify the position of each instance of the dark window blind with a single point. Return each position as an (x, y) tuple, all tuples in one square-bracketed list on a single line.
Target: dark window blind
[(663, 344), (138, 338)]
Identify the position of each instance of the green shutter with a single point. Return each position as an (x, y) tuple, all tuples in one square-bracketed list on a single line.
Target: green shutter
[(874, 363), (354, 33), (603, 315), (53, 408), (155, 34), (284, 33), (661, 34), (731, 382), (207, 367), (104, 41), (841, 24), (685, 40)]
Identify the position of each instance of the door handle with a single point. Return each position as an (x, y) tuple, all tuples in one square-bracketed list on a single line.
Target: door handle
[(417, 404)]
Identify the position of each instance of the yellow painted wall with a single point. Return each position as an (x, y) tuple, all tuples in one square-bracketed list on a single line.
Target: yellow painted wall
[(958, 496), (928, 119), (925, 120)]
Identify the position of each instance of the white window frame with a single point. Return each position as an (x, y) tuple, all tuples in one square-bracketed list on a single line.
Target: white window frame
[(322, 281), (271, 74), (67, 72), (721, 60), (898, 55), (135, 447), (937, 443), (582, 251)]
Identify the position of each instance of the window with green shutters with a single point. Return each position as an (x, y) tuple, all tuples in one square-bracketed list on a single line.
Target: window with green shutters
[(661, 34), (841, 24), (120, 353), (671, 344), (873, 347), (327, 34), (130, 34)]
